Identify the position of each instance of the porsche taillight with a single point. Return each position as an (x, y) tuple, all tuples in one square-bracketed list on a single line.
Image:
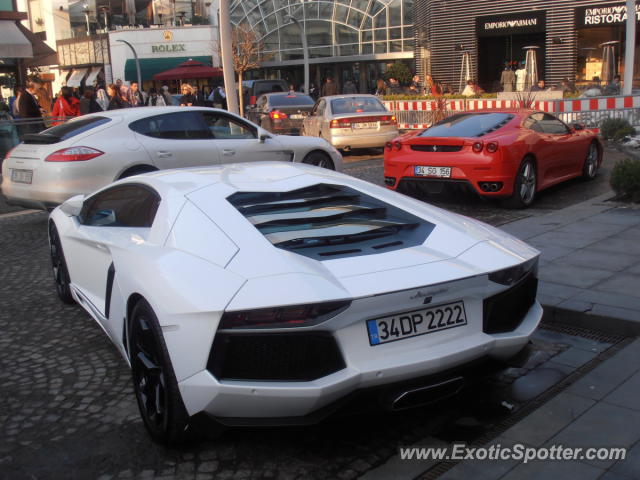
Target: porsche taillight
[(283, 317), (73, 154)]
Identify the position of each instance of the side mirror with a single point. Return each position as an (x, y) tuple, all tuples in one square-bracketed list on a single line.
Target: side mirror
[(73, 206), (263, 137), (578, 126)]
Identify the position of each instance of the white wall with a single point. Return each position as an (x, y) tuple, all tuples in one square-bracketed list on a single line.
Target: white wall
[(197, 41)]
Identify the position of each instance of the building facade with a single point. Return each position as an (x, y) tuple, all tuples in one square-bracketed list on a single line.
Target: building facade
[(573, 38), (347, 39)]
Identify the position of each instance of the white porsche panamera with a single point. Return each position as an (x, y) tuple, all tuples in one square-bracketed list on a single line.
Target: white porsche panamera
[(273, 293), (91, 151)]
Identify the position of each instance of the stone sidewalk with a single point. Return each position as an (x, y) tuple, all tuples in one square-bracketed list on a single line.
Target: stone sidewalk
[(590, 263)]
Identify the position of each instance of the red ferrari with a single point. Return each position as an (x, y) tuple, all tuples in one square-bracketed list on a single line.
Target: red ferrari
[(508, 154)]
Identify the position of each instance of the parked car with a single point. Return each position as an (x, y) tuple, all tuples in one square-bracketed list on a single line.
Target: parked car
[(273, 293), (92, 151), (351, 121), (255, 88), (508, 154), (281, 112)]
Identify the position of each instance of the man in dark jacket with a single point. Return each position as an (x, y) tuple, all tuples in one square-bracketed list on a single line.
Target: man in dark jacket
[(329, 87), (30, 109)]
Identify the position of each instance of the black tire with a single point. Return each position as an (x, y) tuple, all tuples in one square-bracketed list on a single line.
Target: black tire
[(525, 186), (59, 265), (590, 167), (319, 159), (164, 415), (137, 171)]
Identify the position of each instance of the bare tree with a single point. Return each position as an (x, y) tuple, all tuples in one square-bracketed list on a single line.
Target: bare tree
[(246, 56)]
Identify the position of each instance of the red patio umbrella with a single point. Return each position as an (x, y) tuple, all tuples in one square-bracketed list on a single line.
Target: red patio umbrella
[(188, 70)]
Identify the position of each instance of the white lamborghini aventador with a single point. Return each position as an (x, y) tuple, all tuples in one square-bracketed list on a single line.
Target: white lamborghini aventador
[(275, 292)]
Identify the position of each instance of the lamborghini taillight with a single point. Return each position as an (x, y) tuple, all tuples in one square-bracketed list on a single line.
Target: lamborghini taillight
[(283, 317)]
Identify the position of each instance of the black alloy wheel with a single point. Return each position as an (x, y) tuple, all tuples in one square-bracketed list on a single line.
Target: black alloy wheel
[(319, 159), (154, 381), (60, 272)]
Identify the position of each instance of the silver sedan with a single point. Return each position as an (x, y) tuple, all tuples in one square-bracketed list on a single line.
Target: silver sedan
[(351, 121)]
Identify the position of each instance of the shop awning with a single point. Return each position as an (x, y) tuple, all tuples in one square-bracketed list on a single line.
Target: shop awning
[(151, 66), (76, 77), (190, 69), (93, 74), (13, 43), (43, 54)]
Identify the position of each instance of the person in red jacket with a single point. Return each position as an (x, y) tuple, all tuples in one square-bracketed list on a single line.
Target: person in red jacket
[(65, 107)]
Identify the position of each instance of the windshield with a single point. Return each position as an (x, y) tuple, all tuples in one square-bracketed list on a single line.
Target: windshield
[(468, 125), (356, 105), (287, 100)]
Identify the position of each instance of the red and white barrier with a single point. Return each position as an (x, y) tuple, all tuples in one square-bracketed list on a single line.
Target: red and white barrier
[(417, 114)]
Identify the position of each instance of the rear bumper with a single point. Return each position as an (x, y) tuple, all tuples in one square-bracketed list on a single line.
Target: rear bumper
[(264, 402), (45, 197), (472, 170), (355, 140)]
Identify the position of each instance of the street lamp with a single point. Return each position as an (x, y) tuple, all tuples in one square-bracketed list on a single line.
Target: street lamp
[(135, 55), (305, 51)]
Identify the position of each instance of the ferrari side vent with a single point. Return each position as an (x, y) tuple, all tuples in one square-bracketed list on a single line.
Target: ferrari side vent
[(330, 221)]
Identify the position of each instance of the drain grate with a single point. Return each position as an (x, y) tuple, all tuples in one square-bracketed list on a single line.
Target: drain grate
[(617, 343)]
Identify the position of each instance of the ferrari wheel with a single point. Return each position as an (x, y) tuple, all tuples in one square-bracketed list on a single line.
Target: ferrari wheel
[(60, 272), (524, 191), (590, 168), (318, 159), (154, 380)]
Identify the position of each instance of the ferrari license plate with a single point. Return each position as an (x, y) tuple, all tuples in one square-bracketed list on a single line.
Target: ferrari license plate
[(366, 125), (442, 172), (416, 322), (21, 176)]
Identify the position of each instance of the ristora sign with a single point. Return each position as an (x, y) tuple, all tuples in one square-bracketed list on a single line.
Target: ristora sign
[(603, 15), (498, 25), (174, 47)]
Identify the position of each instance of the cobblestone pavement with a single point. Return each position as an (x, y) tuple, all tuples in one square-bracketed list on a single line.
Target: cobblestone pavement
[(67, 408)]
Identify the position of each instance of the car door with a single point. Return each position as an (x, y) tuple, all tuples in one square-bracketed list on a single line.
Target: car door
[(237, 140), (314, 120), (109, 220), (177, 139), (563, 144)]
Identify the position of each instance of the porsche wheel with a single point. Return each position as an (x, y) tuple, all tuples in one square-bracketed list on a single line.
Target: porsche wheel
[(590, 168), (524, 190), (60, 272), (154, 380), (319, 159)]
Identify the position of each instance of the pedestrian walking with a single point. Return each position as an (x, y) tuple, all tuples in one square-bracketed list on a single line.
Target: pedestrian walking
[(116, 101), (188, 99), (349, 87), (508, 79), (329, 87), (166, 95), (137, 97), (219, 97), (155, 100), (88, 103), (102, 98), (65, 107), (30, 109), (313, 91), (381, 87)]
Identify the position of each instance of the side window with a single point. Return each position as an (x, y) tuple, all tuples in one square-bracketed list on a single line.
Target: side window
[(130, 205), (223, 127), (553, 126), (533, 122), (172, 126)]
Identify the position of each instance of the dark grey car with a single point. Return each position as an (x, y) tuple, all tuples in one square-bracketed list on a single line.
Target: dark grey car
[(281, 112)]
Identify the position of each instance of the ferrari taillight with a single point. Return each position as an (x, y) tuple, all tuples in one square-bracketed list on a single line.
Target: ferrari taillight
[(492, 147), (388, 145), (397, 144), (278, 115), (73, 154), (477, 147), (283, 317)]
